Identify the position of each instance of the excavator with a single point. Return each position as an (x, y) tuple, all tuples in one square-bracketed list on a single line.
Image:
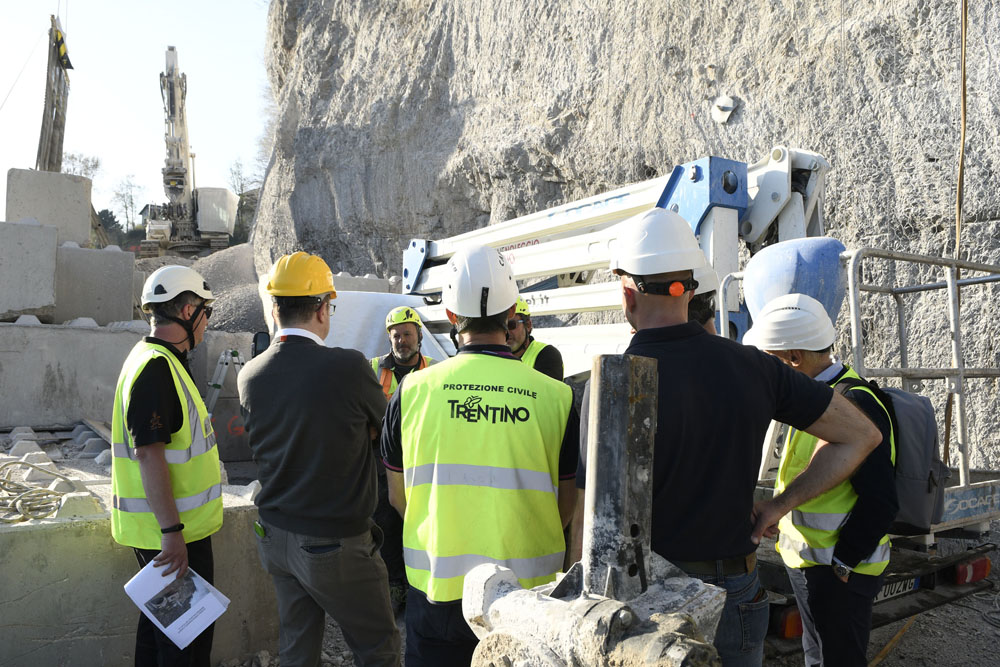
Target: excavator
[(193, 220)]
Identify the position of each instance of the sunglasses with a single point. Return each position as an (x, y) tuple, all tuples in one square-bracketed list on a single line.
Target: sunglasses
[(512, 324)]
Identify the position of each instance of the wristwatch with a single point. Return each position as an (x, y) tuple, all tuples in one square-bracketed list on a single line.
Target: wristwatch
[(841, 570)]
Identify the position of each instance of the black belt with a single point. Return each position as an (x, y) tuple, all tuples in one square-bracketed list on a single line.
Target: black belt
[(737, 565)]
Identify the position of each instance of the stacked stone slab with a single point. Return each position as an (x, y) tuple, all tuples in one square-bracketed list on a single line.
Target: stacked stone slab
[(68, 282), (27, 270), (58, 200), (93, 283)]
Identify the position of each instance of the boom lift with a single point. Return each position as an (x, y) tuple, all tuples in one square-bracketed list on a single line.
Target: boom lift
[(192, 220), (555, 254)]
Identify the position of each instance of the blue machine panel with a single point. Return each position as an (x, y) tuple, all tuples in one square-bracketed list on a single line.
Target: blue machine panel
[(696, 187)]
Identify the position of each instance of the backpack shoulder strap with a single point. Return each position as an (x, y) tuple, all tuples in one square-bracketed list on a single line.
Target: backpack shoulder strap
[(845, 385)]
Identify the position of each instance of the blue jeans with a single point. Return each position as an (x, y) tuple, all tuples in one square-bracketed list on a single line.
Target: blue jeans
[(740, 636)]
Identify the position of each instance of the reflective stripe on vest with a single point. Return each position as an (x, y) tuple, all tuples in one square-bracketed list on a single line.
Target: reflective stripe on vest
[(824, 556), (447, 567), (183, 504), (481, 437), (191, 454), (530, 355), (472, 475), (809, 533), (200, 444), (387, 378)]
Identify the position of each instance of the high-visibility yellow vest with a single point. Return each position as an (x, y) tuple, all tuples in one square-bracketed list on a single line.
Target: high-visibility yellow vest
[(809, 533), (387, 378), (481, 437), (531, 352), (191, 455)]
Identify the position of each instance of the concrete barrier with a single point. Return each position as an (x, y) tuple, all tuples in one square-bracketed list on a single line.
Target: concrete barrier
[(56, 374), (27, 271), (63, 602), (60, 200), (93, 283)]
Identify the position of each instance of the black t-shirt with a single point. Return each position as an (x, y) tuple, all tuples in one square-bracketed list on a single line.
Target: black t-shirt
[(550, 362), (392, 439), (154, 408), (716, 399)]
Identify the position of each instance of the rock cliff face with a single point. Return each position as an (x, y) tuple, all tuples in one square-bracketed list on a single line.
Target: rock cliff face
[(426, 119)]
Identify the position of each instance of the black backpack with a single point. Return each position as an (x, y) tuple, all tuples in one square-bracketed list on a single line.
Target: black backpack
[(921, 476)]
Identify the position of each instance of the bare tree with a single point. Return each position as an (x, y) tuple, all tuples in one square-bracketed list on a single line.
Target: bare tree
[(124, 197), (239, 180), (81, 165)]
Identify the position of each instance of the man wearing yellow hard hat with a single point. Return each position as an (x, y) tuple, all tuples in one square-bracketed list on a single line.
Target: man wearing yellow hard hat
[(309, 412), (405, 331)]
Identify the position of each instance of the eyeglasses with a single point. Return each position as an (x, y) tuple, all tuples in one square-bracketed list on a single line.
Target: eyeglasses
[(512, 324), (208, 311), (331, 306)]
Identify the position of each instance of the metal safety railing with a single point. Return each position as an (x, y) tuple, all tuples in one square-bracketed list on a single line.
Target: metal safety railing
[(954, 375), (957, 373)]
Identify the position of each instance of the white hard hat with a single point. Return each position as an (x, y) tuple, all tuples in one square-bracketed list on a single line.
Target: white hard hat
[(657, 241), (169, 281), (791, 322), (478, 283), (708, 280)]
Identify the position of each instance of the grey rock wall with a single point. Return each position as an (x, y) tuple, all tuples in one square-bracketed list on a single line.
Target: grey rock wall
[(426, 119)]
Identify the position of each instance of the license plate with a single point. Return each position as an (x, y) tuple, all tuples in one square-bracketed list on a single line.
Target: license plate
[(896, 588)]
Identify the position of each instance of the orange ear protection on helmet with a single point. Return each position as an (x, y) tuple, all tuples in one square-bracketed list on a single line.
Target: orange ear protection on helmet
[(673, 288)]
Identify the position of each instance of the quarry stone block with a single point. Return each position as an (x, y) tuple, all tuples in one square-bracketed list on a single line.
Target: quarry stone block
[(93, 284), (27, 271), (79, 504), (78, 429), (36, 457), (83, 436), (22, 447), (57, 375), (104, 458), (81, 322), (21, 430), (42, 472), (93, 447), (73, 572), (62, 486), (59, 200)]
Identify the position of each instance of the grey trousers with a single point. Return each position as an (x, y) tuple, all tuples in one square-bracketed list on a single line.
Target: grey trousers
[(343, 577)]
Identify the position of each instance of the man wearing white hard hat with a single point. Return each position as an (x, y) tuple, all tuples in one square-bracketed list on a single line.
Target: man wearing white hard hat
[(716, 399), (165, 473), (480, 452), (835, 546)]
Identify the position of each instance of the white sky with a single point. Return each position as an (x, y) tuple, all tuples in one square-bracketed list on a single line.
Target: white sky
[(115, 111)]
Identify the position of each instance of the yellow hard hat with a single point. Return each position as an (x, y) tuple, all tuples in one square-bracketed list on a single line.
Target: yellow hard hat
[(522, 308), (301, 274), (400, 315)]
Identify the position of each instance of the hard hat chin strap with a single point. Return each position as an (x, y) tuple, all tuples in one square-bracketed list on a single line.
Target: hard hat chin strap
[(187, 325)]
